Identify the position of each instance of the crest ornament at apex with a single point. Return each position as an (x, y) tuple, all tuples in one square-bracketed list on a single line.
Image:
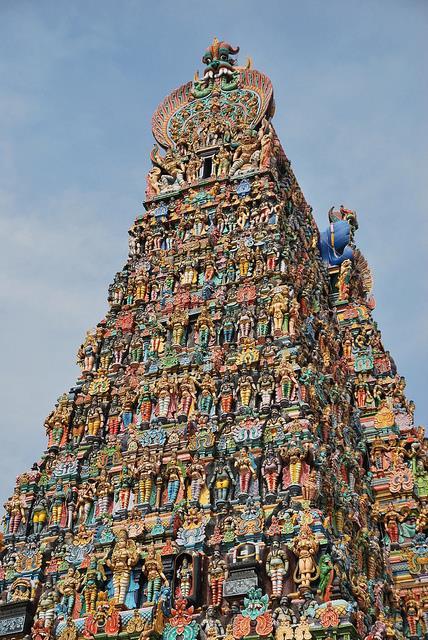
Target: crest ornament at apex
[(226, 92)]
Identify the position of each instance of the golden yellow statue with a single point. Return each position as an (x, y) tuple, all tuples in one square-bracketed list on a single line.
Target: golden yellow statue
[(125, 556)]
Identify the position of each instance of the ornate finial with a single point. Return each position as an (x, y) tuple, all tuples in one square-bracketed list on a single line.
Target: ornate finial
[(218, 58)]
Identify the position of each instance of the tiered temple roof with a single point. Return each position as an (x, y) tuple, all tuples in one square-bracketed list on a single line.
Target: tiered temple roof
[(237, 458)]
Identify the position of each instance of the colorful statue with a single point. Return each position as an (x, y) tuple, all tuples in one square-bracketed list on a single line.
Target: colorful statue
[(277, 568), (147, 471), (305, 547), (246, 468), (185, 577), (174, 478), (153, 570), (15, 508), (67, 587), (271, 469), (217, 574), (222, 481), (92, 581), (124, 556), (196, 477)]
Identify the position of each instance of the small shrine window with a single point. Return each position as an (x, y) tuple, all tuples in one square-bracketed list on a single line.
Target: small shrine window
[(207, 167)]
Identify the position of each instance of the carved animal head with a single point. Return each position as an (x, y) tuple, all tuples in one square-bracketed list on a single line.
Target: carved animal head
[(218, 59)]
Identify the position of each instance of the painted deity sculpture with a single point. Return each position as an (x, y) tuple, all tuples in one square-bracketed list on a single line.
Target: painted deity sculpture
[(124, 556), (276, 568), (154, 573)]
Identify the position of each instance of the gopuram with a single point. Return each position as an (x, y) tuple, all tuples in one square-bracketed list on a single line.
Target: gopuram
[(237, 459)]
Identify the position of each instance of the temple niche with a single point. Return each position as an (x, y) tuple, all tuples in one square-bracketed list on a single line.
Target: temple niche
[(237, 458)]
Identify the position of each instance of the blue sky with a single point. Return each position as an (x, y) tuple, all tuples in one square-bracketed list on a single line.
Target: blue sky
[(78, 85)]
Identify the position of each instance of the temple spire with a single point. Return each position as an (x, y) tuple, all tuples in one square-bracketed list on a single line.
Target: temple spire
[(237, 458)]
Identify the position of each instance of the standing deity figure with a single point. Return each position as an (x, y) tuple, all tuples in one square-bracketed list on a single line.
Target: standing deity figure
[(246, 468), (272, 256), (193, 168), (204, 329), (263, 322), (157, 342), (104, 492), (278, 310), (296, 470), (392, 520), (245, 324), (310, 489), (145, 403), (413, 616), (120, 347), (243, 256), (57, 422), (196, 477), (266, 389), (226, 395), (164, 390), (207, 395), (199, 223), (94, 420), (189, 275), (68, 587), (124, 556), (246, 388), (45, 614), (125, 482), (78, 425), (222, 480), (344, 279), (93, 579), (266, 137), (15, 508), (39, 515), (178, 322), (293, 318), (126, 414), (217, 574), (259, 268), (113, 420), (136, 349), (85, 501), (228, 328), (153, 570), (147, 470), (361, 391), (186, 396), (210, 270), (58, 504), (87, 353), (277, 568), (173, 478), (185, 577), (271, 469), (141, 284), (211, 626), (222, 162), (347, 344), (286, 381), (305, 547), (70, 506)]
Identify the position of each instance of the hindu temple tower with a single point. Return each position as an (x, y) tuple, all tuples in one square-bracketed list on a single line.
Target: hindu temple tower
[(237, 459)]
